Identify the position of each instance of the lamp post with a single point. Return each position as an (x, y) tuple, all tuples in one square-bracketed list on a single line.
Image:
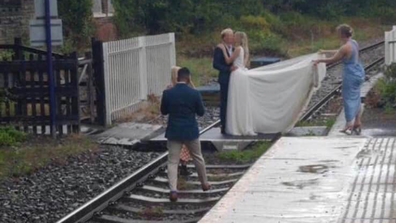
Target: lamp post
[(51, 81)]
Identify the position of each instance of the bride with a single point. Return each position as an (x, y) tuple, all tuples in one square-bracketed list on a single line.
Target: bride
[(239, 117)]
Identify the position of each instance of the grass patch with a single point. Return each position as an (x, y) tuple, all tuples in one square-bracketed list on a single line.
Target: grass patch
[(218, 178), (201, 68), (183, 184), (9, 136), (245, 156), (37, 152), (155, 211), (329, 122)]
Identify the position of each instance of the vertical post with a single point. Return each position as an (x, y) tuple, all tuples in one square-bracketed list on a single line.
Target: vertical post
[(17, 48), (99, 75), (90, 89), (173, 49), (143, 68), (50, 68)]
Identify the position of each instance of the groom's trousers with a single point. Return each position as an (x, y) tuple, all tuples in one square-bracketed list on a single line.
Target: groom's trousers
[(194, 148), (223, 103)]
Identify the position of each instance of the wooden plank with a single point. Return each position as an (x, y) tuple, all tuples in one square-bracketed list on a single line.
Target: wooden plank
[(58, 64), (58, 99), (32, 97), (90, 90), (6, 86), (75, 100), (42, 97)]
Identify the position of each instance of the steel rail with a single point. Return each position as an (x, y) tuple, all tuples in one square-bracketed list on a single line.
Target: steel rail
[(86, 211), (308, 114)]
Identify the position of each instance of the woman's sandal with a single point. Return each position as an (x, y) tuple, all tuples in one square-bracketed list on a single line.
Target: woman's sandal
[(348, 131), (357, 129)]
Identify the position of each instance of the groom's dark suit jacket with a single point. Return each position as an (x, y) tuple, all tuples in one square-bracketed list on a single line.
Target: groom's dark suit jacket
[(182, 103), (224, 69), (220, 64)]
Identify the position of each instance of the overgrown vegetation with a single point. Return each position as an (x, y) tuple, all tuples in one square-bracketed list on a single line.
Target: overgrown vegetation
[(244, 156), (386, 90), (32, 153), (328, 122), (9, 136), (77, 23)]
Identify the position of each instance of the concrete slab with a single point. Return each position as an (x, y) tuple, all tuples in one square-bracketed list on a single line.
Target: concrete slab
[(127, 134), (300, 180), (340, 122), (223, 142)]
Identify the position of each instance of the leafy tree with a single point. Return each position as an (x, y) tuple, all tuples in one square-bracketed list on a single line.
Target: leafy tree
[(77, 19)]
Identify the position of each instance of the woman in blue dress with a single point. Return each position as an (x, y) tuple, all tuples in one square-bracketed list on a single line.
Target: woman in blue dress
[(352, 77)]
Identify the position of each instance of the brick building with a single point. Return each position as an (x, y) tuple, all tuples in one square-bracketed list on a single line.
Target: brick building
[(15, 16), (14, 19)]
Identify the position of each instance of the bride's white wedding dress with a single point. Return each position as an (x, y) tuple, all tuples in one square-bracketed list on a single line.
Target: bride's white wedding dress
[(239, 118), (270, 99)]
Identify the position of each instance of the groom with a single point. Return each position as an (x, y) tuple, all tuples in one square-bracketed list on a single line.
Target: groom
[(219, 63)]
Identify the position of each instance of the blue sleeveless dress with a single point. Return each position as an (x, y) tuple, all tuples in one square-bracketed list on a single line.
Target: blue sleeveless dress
[(352, 79)]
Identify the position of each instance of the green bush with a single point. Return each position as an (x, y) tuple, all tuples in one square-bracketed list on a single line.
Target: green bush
[(254, 22), (265, 39), (6, 54), (9, 136), (387, 87), (77, 20)]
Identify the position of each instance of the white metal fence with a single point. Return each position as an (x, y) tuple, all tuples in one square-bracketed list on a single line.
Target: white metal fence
[(390, 46), (135, 68)]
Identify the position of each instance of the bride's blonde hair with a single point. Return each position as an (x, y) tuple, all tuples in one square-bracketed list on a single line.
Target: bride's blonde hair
[(244, 42)]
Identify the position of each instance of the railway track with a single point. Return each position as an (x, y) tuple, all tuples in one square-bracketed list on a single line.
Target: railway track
[(143, 196), (319, 106)]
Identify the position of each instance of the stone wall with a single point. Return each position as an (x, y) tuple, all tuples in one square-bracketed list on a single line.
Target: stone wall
[(14, 19)]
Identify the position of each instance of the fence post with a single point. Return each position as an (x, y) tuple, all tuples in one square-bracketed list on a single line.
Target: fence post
[(99, 75), (393, 46), (387, 48), (90, 89), (17, 48), (173, 49), (143, 68)]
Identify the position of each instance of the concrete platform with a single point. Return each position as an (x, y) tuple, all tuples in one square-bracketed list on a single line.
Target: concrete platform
[(219, 141), (340, 121), (315, 180), (127, 134)]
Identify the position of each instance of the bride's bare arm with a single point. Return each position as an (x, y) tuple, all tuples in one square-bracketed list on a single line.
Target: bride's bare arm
[(235, 54)]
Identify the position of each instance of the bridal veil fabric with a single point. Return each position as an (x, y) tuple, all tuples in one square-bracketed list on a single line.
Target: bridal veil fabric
[(271, 99)]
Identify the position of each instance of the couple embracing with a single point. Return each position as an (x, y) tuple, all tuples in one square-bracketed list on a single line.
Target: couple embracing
[(231, 57)]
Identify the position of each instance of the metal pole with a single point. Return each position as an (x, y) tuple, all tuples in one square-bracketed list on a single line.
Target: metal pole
[(50, 68)]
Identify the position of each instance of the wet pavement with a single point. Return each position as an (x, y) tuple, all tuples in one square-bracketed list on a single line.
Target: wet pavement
[(315, 179)]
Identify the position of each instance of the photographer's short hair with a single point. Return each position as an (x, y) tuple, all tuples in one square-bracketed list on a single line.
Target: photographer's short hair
[(183, 73)]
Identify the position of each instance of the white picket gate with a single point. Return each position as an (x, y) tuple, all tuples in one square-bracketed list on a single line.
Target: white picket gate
[(135, 68), (390, 46)]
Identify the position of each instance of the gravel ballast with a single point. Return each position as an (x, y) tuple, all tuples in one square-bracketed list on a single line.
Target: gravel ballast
[(59, 188)]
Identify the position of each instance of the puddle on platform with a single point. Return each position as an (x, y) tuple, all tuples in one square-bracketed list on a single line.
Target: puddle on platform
[(319, 169), (368, 153), (301, 184)]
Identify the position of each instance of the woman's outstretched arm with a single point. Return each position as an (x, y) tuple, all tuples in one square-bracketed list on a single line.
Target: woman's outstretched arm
[(235, 54), (337, 57), (328, 51)]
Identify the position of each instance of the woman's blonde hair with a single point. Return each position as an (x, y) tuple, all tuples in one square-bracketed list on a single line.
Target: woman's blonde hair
[(345, 30), (244, 43), (174, 71)]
